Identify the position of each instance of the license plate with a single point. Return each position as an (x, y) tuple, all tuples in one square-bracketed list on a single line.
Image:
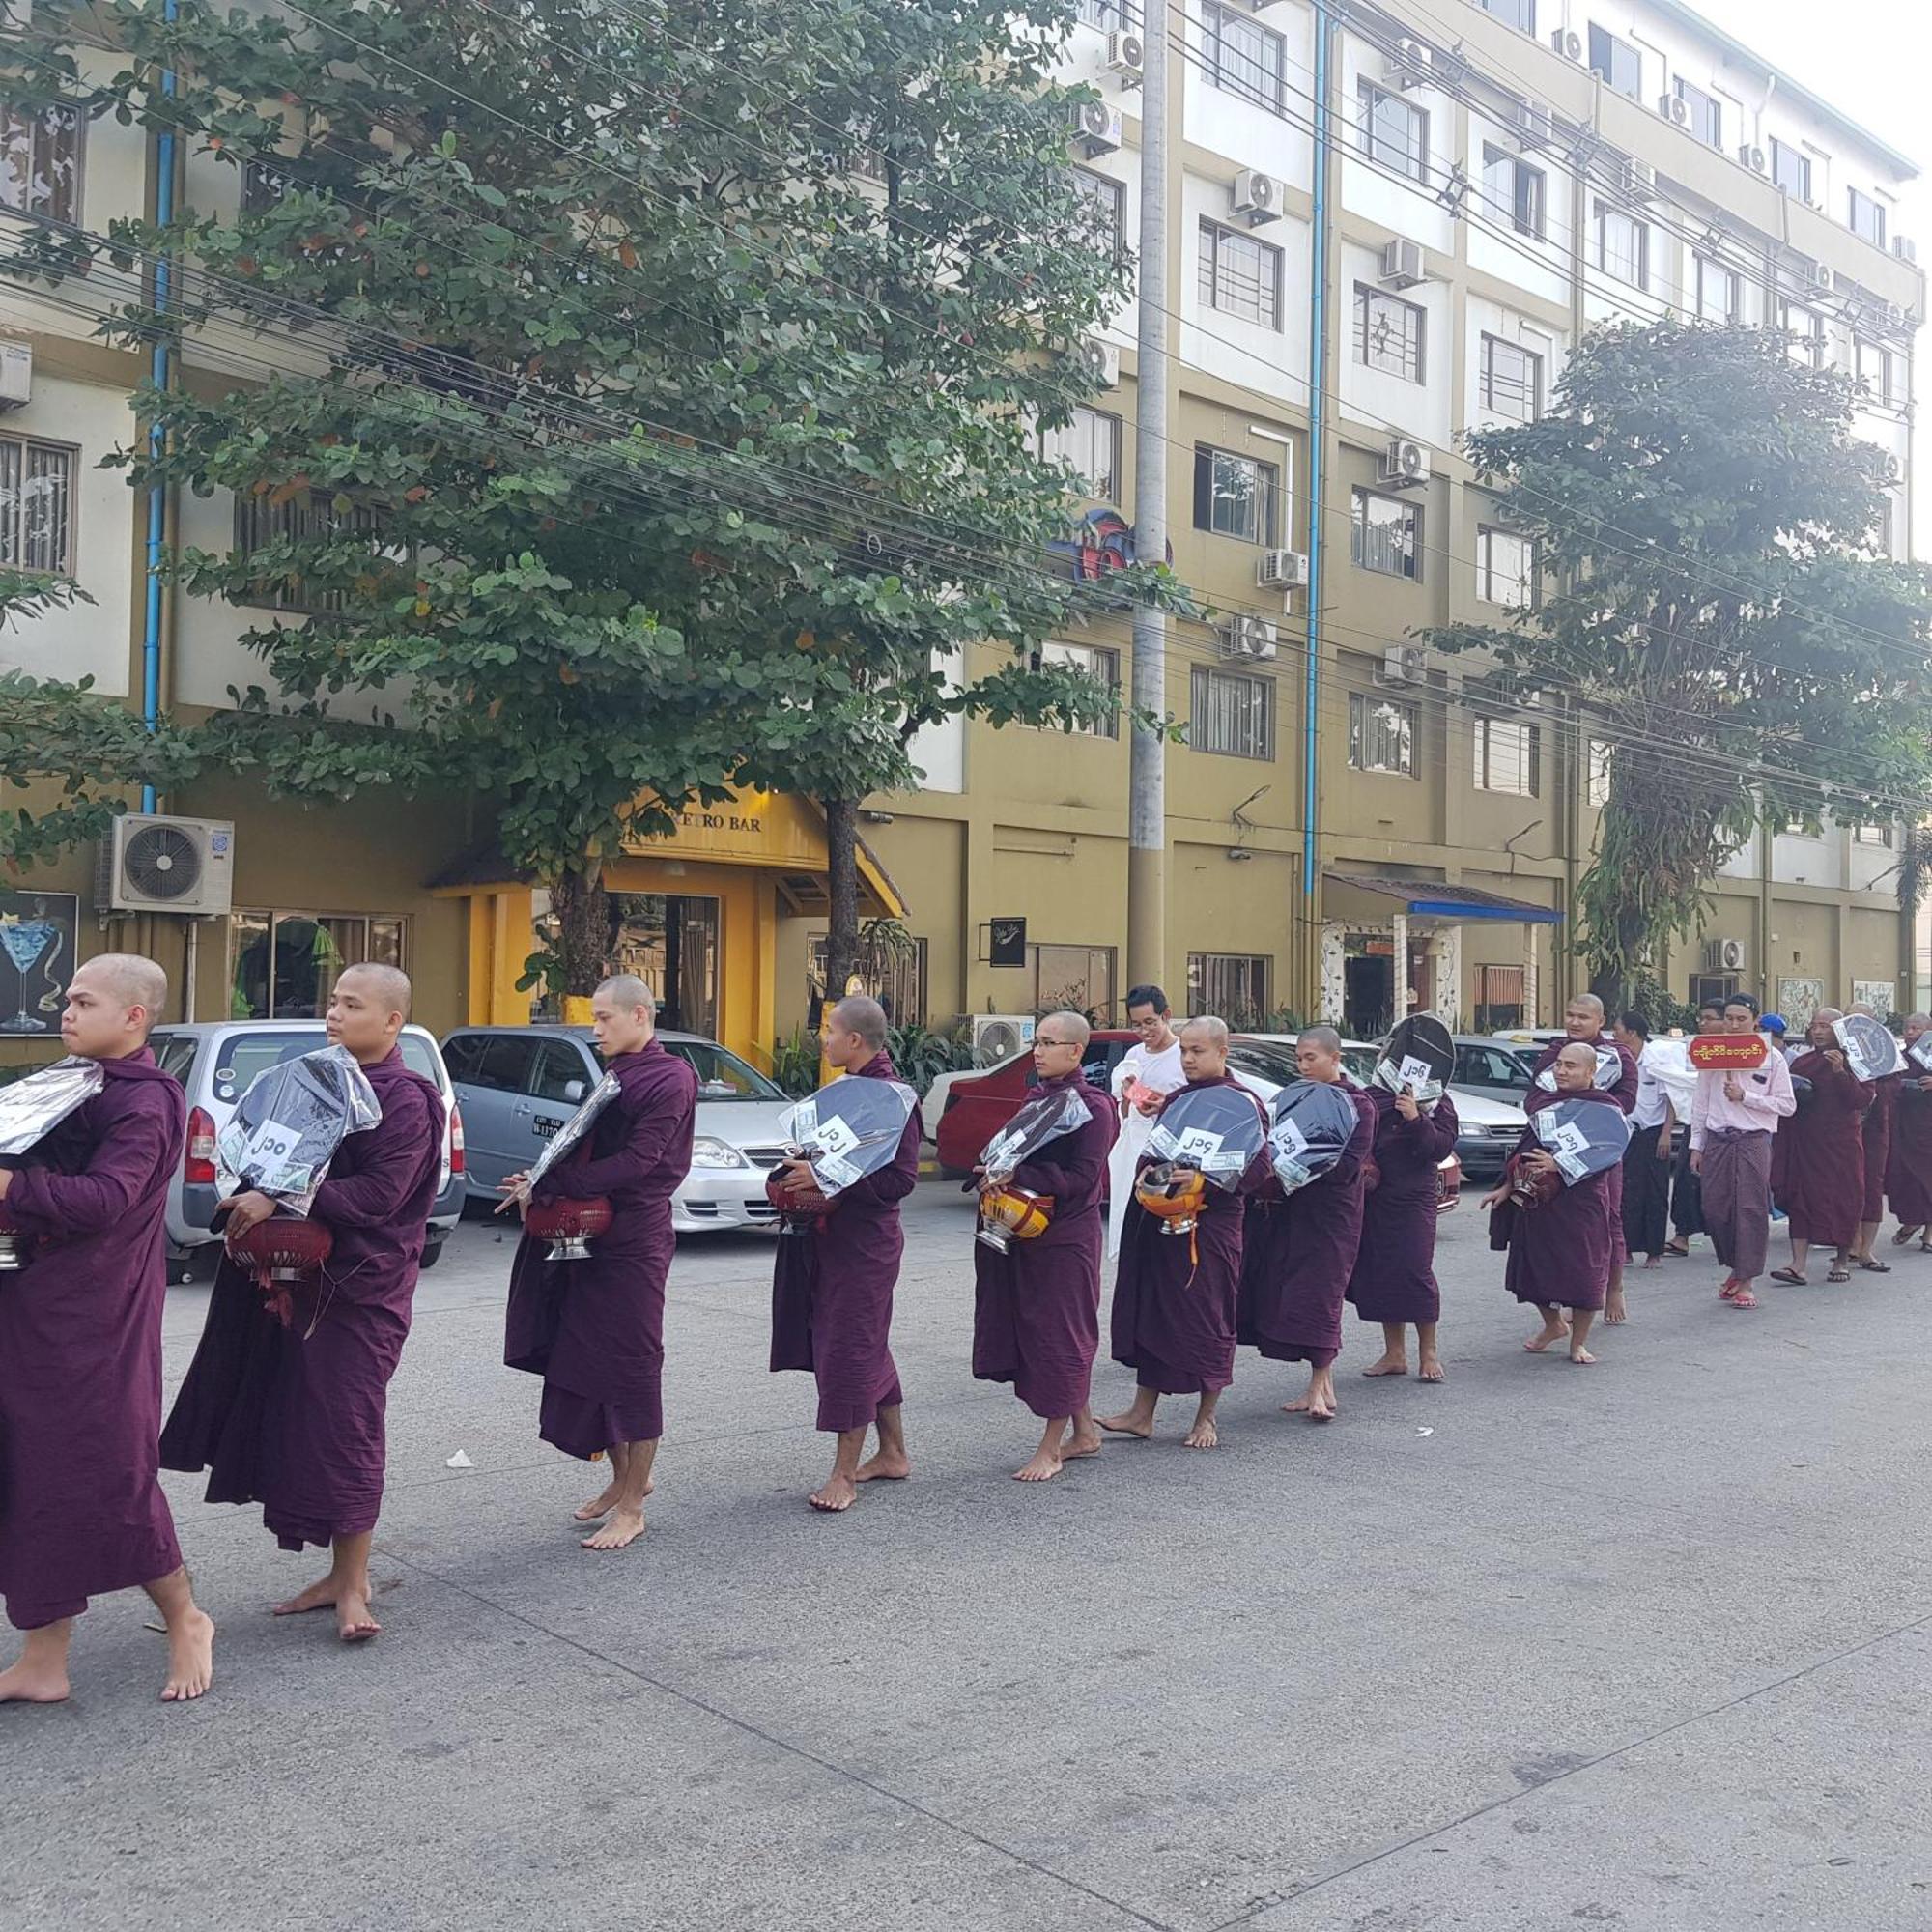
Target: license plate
[(543, 1130)]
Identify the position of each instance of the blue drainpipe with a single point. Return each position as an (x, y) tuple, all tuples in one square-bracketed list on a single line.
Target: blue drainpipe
[(1318, 412), (159, 370)]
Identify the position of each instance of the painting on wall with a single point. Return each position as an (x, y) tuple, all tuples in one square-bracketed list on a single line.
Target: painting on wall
[(37, 943), (1797, 1000), (1877, 994)]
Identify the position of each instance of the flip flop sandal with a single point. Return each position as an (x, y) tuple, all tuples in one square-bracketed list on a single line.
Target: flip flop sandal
[(1903, 1239), (1792, 1277), (1876, 1267), (1839, 1274), (1675, 1252), (1729, 1290), (1743, 1298)]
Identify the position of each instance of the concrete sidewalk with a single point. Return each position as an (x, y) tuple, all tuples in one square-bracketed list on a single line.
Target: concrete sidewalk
[(1648, 1645)]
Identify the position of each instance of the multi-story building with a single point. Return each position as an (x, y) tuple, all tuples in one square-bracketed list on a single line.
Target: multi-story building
[(1499, 176)]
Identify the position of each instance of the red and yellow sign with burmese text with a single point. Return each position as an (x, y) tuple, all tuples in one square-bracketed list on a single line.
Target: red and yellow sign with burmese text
[(1738, 1051)]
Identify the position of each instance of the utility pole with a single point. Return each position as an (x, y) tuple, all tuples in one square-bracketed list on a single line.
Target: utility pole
[(1147, 800)]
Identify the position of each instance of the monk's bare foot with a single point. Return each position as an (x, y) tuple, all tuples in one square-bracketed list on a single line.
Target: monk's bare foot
[(600, 1507), (190, 1659), (317, 1597), (1126, 1423), (623, 1529), (1430, 1370), (1583, 1357), (1317, 1405), (1614, 1311), (1388, 1365), (352, 1622), (1652, 1261), (889, 1465), (1203, 1435), (1080, 1444), (1553, 1330), (34, 1683), (836, 1495), (1044, 1465)]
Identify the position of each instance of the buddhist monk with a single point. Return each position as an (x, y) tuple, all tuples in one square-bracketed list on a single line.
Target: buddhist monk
[(1908, 1179), (1394, 1277), (1300, 1250), (81, 1509), (1560, 1250), (1036, 1307), (1175, 1296), (595, 1329), (294, 1416), (1686, 1192), (1821, 1182), (1875, 1140), (1735, 1115), (832, 1290)]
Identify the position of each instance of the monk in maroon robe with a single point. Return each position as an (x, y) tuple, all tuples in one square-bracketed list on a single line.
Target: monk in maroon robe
[(293, 1417), (1300, 1249), (595, 1329), (1036, 1306), (1908, 1176), (81, 1509), (1820, 1155), (1394, 1277), (1560, 1251), (832, 1289), (1875, 1142), (1176, 1295)]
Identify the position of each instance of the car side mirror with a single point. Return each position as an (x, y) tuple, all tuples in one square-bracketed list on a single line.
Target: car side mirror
[(574, 1089)]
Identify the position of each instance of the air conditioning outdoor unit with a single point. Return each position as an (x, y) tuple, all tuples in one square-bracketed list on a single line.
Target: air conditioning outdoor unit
[(1752, 158), (998, 1036), (1126, 56), (1532, 124), (1404, 265), (1410, 66), (16, 375), (1905, 248), (1282, 570), (1821, 276), (1097, 128), (1257, 196), (166, 865), (1404, 462), (1723, 955), (1101, 359), (1249, 637), (1674, 110), (1567, 43), (1404, 664)]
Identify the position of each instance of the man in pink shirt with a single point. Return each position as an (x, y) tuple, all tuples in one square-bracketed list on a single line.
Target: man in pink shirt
[(1733, 1117)]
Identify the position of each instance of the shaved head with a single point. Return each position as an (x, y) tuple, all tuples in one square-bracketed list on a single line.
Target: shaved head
[(388, 986), (1862, 1006), (1204, 1048), (1207, 1028), (628, 991), (112, 1000), (131, 978), (858, 1013), (1326, 1037), (1074, 1026), (1591, 1001)]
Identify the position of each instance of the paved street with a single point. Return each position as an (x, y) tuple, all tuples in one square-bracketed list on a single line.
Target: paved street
[(1646, 1645)]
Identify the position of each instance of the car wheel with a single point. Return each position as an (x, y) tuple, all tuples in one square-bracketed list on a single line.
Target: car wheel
[(431, 1255), (180, 1273)]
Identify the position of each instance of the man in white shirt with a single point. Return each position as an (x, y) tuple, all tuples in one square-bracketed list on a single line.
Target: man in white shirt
[(1646, 1206), (1148, 1071), (1736, 1112)]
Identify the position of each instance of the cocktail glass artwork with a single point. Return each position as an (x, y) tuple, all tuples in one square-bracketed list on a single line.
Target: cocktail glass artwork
[(27, 941)]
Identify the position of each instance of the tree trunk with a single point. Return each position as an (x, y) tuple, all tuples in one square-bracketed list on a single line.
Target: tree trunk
[(842, 884), (583, 931)]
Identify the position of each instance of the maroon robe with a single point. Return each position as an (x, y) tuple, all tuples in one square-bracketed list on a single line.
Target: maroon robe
[(1624, 1093), (1907, 1177), (1875, 1140), (1395, 1266), (81, 1509), (1036, 1307), (1175, 1296), (1300, 1251), (293, 1417), (595, 1329), (1561, 1251), (832, 1289), (1819, 1154)]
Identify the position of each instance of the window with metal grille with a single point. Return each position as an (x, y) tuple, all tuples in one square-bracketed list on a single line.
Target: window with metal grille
[(1395, 130), (1109, 200), (1232, 714), (260, 521), (1516, 192), (1381, 734), (1597, 783), (1387, 534), (1508, 754), (40, 161), (1499, 994), (1091, 446), (1242, 55), (36, 505), (1389, 333), (1239, 275), (1098, 662), (1512, 381), (1236, 495), (1234, 986)]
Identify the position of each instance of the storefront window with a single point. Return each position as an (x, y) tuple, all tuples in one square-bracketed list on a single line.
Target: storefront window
[(668, 940), (283, 965)]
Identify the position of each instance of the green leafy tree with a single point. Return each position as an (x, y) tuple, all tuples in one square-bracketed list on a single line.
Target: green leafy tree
[(1719, 606), (656, 396)]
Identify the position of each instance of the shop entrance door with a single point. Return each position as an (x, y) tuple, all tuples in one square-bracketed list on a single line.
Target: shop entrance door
[(671, 942)]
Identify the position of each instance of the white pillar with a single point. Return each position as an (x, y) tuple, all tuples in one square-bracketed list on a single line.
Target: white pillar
[(1529, 988)]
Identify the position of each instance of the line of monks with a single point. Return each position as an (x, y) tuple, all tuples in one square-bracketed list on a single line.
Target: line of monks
[(285, 1407)]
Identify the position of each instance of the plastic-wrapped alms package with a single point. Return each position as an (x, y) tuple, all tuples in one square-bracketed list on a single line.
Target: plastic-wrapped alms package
[(30, 1109), (287, 1127)]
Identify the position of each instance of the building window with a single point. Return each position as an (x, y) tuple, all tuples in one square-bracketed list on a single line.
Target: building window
[(284, 965), (1872, 835), (1239, 275), (1719, 291), (1707, 116), (1072, 978), (1109, 16), (1623, 245), (1517, 193), (1791, 169), (896, 980), (1512, 381), (1597, 779), (1242, 55), (40, 161), (1506, 571), (1233, 986), (1090, 445), (36, 506), (1389, 333), (1109, 200), (1236, 495), (1102, 665), (1867, 218), (1506, 756), (1620, 64), (1232, 714), (1806, 328), (1878, 370), (1395, 131), (1499, 991), (1387, 536), (260, 521), (1381, 734), (1517, 13)]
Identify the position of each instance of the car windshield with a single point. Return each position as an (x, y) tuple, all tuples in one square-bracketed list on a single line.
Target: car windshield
[(1493, 1067), (723, 1075), (242, 1056)]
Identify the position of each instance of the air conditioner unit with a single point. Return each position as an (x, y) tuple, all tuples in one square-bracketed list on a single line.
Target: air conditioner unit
[(1249, 637), (1752, 158), (1410, 66), (1905, 248), (1281, 570), (998, 1036), (1723, 955), (1404, 664), (1101, 359), (1404, 265), (166, 865), (1567, 43), (1126, 56), (1404, 462), (1821, 276), (16, 375), (1674, 110), (1257, 196), (1097, 128), (1530, 119)]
